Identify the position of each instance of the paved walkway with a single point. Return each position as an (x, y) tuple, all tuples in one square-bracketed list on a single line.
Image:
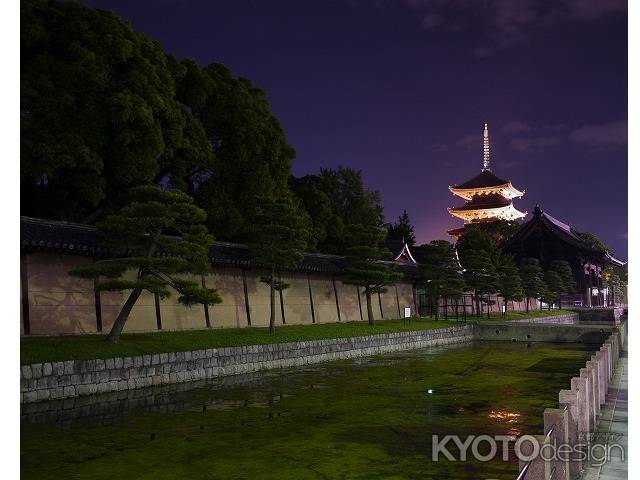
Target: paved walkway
[(612, 427)]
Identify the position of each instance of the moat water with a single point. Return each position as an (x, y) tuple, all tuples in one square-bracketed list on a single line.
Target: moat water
[(370, 418)]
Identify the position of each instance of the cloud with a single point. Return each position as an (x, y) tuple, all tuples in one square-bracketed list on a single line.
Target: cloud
[(524, 144), (587, 10), (607, 135), (514, 127), (431, 21), (503, 23), (471, 141)]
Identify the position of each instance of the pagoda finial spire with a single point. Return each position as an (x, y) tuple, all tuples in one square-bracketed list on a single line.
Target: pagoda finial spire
[(485, 150)]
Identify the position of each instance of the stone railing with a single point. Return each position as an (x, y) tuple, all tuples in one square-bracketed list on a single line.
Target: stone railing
[(579, 409), (57, 380)]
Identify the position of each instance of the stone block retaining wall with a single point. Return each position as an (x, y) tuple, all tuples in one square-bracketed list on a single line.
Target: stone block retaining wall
[(568, 319), (601, 315), (577, 412), (57, 380)]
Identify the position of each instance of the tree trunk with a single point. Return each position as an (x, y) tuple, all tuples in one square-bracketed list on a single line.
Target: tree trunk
[(437, 302), (527, 303), (369, 309), (272, 295), (118, 325), (478, 311)]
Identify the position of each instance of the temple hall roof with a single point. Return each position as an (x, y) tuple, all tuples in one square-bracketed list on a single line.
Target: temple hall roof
[(560, 230)]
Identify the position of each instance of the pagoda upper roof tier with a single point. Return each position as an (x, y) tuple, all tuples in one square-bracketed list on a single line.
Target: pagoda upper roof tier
[(486, 183)]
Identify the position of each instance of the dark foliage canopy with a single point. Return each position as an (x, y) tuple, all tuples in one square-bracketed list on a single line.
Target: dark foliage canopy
[(476, 250), (440, 271), (336, 200), (98, 110), (532, 277), (364, 257)]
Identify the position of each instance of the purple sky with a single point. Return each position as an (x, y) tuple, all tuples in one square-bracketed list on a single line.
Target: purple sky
[(401, 89)]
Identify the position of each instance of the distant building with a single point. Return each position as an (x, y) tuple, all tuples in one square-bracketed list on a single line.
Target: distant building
[(488, 198), (547, 239)]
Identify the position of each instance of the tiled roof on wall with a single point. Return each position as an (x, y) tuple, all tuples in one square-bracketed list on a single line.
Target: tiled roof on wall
[(55, 236)]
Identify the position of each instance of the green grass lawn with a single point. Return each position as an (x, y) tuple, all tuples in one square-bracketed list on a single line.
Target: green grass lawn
[(84, 347)]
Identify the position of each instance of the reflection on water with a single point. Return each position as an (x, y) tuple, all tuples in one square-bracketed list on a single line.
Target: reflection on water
[(363, 418)]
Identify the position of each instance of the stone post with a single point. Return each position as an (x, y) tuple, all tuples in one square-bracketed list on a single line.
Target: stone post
[(537, 468), (592, 366), (581, 385), (556, 422), (569, 399), (601, 360), (606, 348)]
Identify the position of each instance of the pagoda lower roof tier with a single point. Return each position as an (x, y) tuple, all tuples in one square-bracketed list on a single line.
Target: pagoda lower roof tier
[(470, 214), (490, 200), (486, 183)]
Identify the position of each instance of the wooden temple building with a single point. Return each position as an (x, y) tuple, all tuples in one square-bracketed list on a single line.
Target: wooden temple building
[(487, 197), (547, 238)]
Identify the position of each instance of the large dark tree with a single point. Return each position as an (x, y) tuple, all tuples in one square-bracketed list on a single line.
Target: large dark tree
[(476, 249), (253, 157), (440, 272), (155, 239), (280, 237), (364, 268), (98, 111), (316, 206), (590, 239), (531, 274), (349, 203), (402, 230)]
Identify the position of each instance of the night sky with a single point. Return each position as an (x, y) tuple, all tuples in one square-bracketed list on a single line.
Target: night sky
[(401, 90)]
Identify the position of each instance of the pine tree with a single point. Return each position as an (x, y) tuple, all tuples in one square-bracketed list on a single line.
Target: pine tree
[(402, 230), (364, 268), (440, 271), (531, 275), (158, 235), (566, 274), (554, 287), (509, 282), (476, 249), (280, 236)]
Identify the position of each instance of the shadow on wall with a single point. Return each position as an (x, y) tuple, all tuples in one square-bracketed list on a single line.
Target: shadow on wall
[(59, 303), (229, 284)]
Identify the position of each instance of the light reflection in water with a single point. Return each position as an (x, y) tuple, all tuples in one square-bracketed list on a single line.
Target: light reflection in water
[(510, 418)]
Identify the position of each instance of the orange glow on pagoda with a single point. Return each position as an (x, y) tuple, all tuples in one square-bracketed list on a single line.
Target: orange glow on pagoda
[(488, 198)]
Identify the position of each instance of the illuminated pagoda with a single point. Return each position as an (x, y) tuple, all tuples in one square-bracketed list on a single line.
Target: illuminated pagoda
[(488, 198)]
